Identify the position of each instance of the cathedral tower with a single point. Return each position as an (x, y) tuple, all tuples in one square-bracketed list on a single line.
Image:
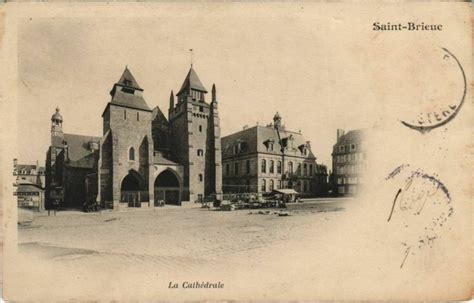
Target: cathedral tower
[(55, 153), (127, 146), (56, 127), (195, 138)]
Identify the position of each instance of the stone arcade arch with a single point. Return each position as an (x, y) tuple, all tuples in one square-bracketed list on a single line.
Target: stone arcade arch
[(133, 190), (168, 188)]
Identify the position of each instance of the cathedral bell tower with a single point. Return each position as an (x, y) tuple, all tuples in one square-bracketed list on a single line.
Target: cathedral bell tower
[(195, 138), (56, 127), (126, 158)]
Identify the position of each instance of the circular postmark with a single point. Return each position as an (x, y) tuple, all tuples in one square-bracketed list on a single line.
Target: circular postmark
[(420, 209), (441, 102)]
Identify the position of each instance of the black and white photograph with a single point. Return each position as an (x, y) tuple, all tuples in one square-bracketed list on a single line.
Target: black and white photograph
[(236, 151)]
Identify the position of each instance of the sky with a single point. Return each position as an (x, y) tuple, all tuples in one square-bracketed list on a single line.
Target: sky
[(308, 69)]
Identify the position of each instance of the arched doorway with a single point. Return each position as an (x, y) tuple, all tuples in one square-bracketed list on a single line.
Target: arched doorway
[(132, 190), (167, 188)]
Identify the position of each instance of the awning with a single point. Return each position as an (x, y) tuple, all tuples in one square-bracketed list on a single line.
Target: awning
[(286, 191)]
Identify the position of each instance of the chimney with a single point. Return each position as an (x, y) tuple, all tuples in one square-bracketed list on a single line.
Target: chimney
[(15, 162), (340, 133)]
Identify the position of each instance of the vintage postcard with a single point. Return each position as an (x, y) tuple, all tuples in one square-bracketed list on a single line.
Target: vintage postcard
[(236, 151)]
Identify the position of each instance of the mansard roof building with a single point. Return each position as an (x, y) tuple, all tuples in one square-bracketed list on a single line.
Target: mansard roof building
[(263, 158)]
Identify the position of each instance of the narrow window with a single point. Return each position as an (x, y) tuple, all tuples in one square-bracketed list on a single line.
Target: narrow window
[(125, 114), (200, 177), (201, 109), (200, 152), (272, 185), (138, 116), (279, 167), (264, 166), (131, 154), (227, 169), (200, 128), (264, 185), (247, 166), (272, 164), (236, 168), (290, 167)]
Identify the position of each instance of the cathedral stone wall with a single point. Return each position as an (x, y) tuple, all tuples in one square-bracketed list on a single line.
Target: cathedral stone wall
[(137, 144), (130, 132)]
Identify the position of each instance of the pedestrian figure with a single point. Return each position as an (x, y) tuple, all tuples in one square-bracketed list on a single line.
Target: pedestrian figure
[(54, 206)]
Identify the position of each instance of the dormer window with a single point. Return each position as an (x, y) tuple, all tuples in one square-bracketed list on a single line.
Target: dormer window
[(269, 144), (127, 82), (239, 146), (304, 149)]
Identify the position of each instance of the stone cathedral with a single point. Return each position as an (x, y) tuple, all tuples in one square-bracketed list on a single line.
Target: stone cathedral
[(143, 158)]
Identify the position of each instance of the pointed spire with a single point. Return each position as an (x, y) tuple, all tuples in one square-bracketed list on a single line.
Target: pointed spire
[(171, 100), (191, 82), (214, 96), (128, 80)]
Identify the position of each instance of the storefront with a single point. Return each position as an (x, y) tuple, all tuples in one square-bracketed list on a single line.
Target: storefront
[(30, 196)]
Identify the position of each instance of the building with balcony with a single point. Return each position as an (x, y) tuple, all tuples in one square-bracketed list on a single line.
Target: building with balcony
[(260, 159), (349, 163)]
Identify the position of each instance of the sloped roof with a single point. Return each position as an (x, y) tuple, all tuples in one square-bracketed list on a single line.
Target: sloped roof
[(356, 135), (129, 100), (159, 158), (192, 81), (126, 92), (128, 80), (157, 113), (79, 152), (256, 137)]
